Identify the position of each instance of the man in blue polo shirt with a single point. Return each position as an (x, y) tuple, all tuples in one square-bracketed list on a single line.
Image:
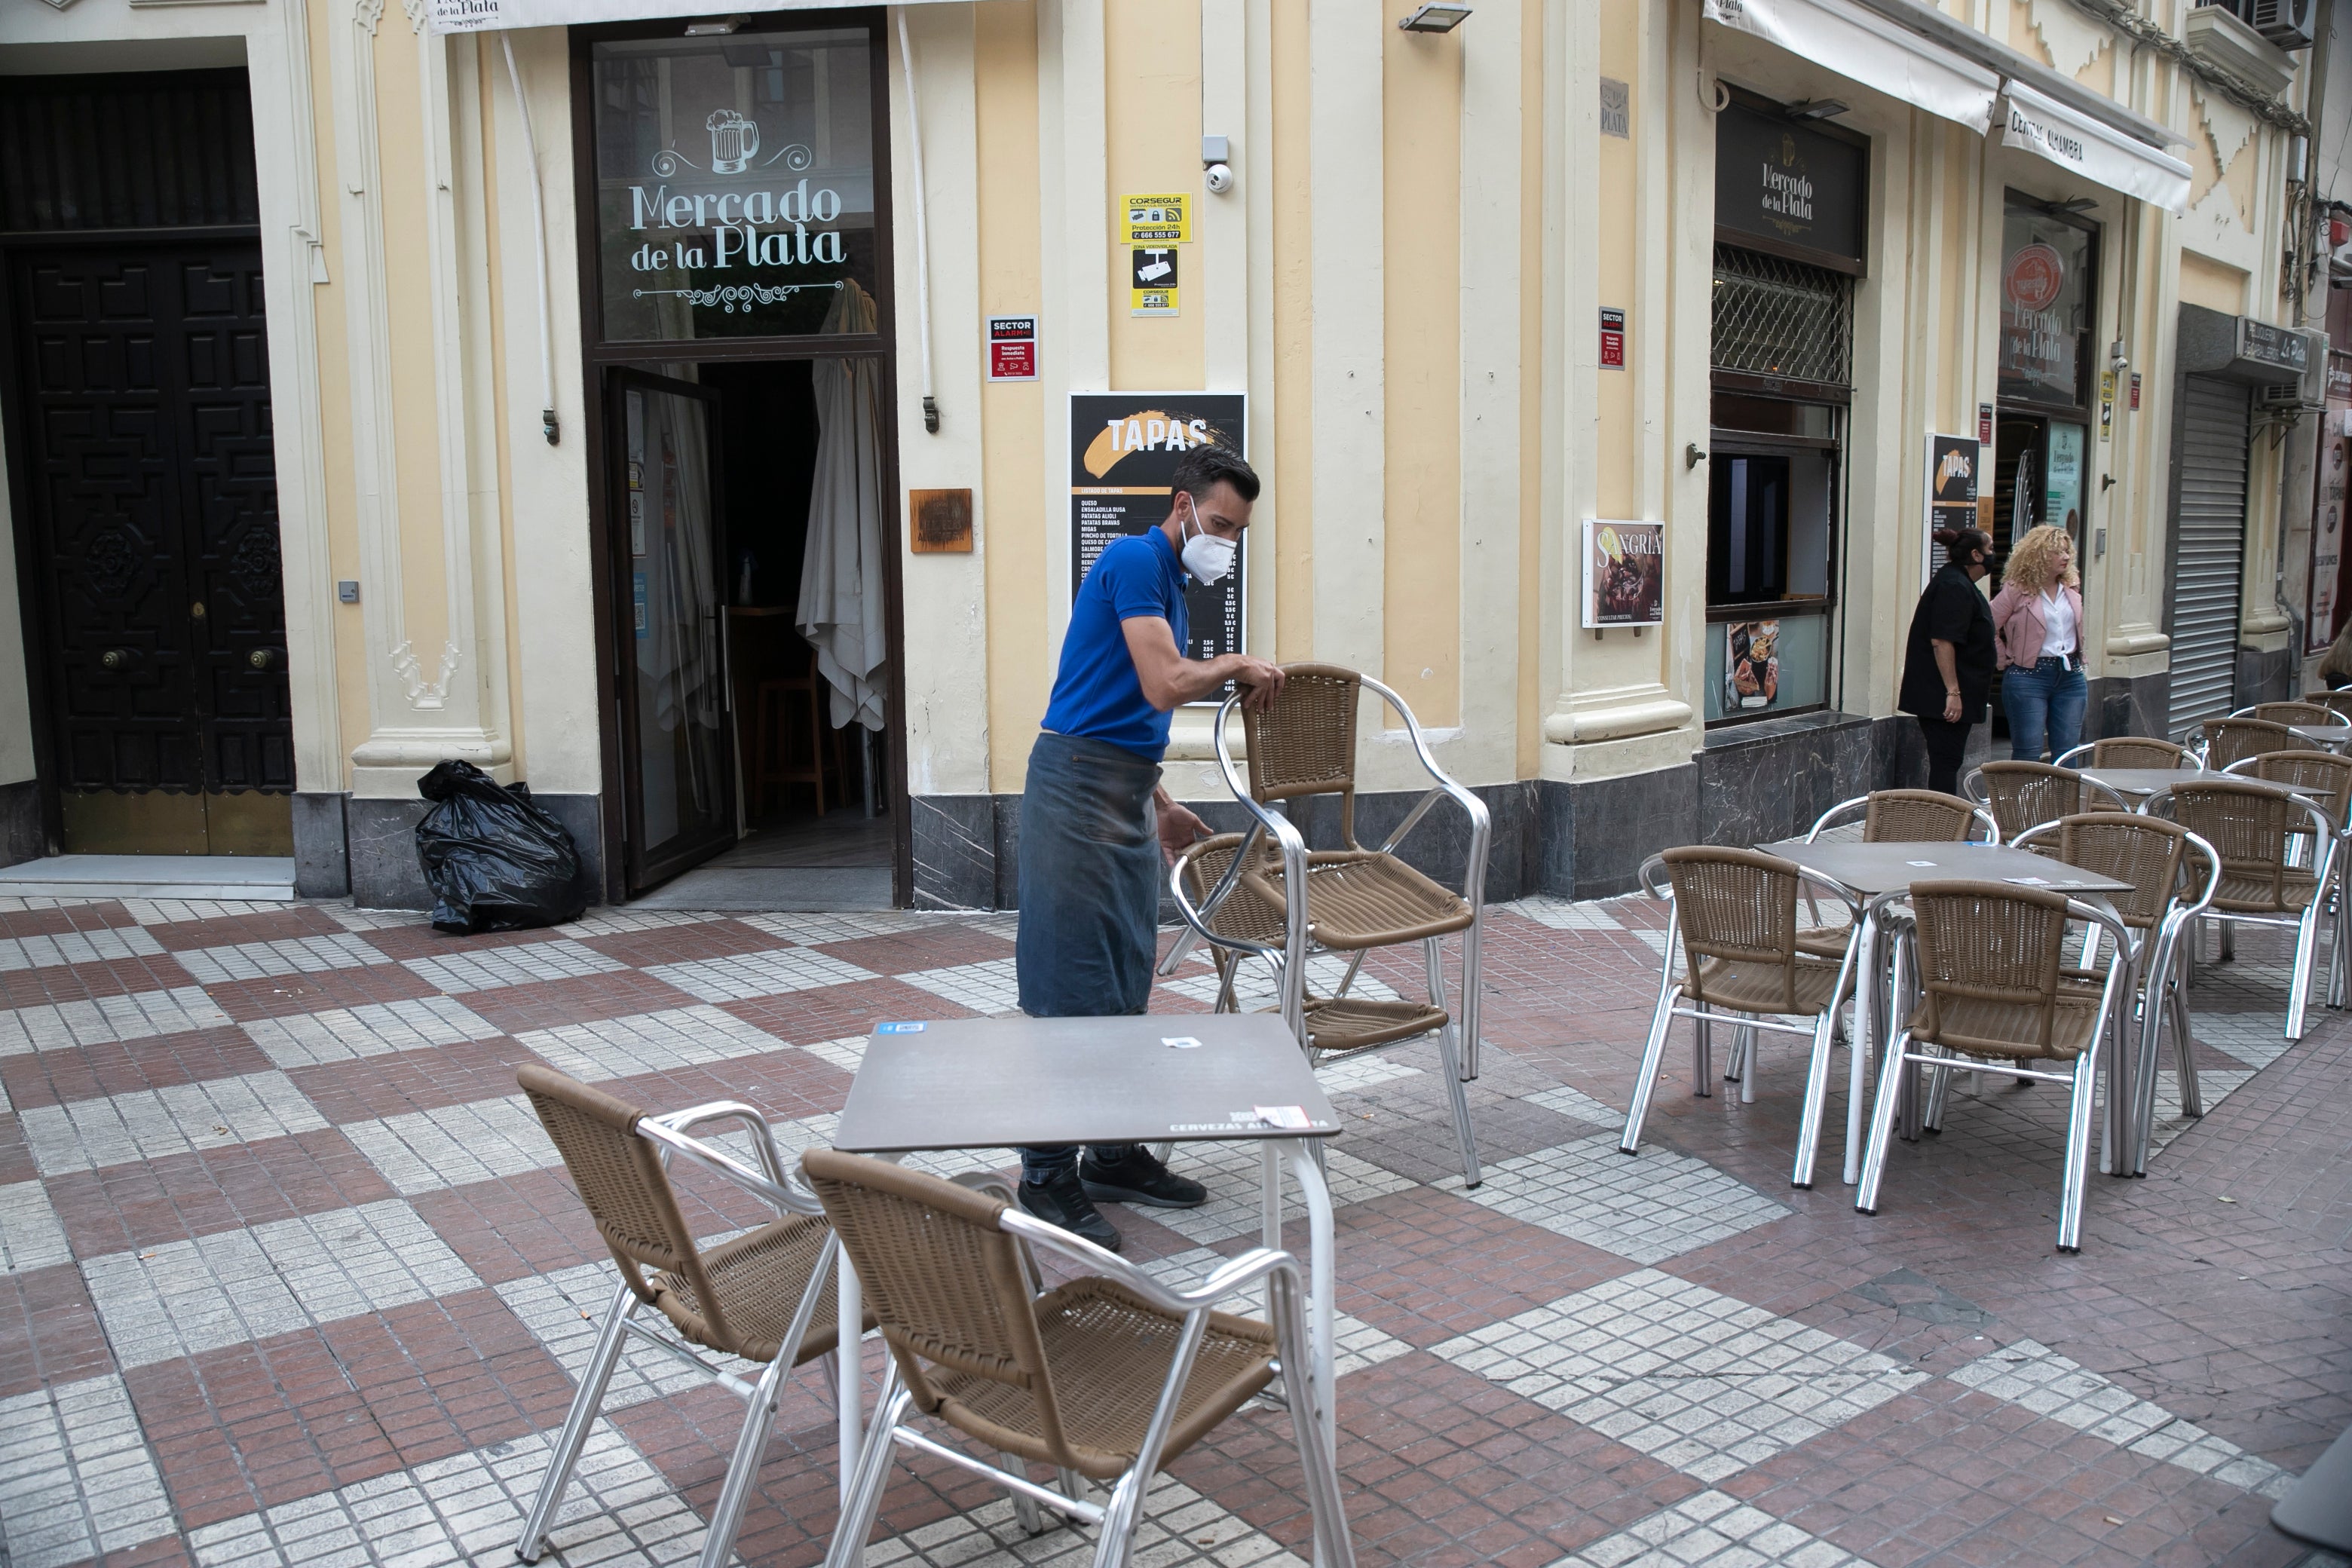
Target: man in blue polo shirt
[(1097, 828)]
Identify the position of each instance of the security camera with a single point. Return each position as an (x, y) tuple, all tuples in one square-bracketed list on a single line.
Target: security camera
[(1220, 178)]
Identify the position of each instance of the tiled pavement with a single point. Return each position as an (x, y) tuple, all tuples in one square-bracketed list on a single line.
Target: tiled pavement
[(293, 1277)]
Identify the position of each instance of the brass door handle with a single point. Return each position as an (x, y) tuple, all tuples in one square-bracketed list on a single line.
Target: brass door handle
[(115, 658), (196, 611), (260, 657)]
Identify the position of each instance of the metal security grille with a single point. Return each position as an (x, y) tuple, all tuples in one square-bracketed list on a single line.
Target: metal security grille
[(1781, 318), (2209, 551)]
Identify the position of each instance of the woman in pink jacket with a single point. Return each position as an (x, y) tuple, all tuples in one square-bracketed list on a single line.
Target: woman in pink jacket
[(2037, 620)]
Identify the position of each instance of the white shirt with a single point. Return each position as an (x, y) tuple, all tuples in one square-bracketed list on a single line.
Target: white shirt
[(2057, 623)]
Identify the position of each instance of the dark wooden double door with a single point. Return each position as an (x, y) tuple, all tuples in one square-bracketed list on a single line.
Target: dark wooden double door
[(154, 598)]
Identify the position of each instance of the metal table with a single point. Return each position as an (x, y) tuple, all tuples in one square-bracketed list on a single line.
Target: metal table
[(1185, 1077), (2335, 737), (1867, 870)]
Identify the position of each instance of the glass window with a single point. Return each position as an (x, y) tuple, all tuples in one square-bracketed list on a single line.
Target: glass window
[(735, 186), (2049, 306), (1774, 416), (1761, 668), (1768, 526)]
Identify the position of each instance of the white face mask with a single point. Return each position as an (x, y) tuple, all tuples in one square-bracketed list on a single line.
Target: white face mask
[(1205, 556)]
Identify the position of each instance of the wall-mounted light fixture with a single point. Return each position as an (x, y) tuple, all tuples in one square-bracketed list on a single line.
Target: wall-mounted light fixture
[(1435, 17), (1817, 108), (715, 27)]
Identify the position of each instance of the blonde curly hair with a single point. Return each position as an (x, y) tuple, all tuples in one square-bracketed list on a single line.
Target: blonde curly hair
[(2029, 562)]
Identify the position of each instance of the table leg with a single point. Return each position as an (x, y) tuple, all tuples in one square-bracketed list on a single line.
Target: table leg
[(849, 1358), (1322, 1312), (1866, 1000)]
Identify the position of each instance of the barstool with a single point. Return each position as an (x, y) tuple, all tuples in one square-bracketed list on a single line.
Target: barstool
[(772, 747)]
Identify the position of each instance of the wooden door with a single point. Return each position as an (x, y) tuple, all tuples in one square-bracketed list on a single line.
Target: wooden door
[(156, 601)]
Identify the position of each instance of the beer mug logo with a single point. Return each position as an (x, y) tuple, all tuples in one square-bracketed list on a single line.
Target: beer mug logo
[(734, 141)]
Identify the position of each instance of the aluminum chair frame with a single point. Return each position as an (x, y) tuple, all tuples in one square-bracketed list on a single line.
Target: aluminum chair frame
[(1824, 1032), (2325, 839), (2191, 761), (1285, 1290), (2255, 710), (1824, 822), (1277, 959), (2161, 1002), (1458, 1040), (1892, 914), (772, 1184)]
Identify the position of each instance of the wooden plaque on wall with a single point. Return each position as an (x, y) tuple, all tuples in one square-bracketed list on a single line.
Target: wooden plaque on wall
[(941, 520)]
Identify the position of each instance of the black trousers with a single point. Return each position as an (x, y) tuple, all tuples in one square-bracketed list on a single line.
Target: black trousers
[(1945, 744)]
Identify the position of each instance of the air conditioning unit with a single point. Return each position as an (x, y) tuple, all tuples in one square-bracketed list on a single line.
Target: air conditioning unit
[(2308, 393), (2289, 24)]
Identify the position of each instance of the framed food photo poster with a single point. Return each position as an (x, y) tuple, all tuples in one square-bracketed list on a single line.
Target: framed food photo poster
[(1624, 573), (1751, 666)]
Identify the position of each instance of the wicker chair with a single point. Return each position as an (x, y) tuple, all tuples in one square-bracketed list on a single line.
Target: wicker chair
[(2255, 833), (2130, 752), (2163, 861), (2303, 712), (2332, 773), (2221, 741), (2027, 795), (1892, 817), (1989, 957), (1357, 899), (766, 1296), (1339, 1027), (1736, 910), (1110, 1377), (2339, 704)]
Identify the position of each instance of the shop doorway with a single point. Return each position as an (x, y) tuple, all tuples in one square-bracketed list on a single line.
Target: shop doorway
[(140, 444), (749, 498)]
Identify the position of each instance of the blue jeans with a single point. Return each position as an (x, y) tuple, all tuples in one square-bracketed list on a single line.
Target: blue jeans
[(1090, 879), (2043, 703)]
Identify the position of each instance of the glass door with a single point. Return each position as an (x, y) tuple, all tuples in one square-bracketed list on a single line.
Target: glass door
[(678, 782)]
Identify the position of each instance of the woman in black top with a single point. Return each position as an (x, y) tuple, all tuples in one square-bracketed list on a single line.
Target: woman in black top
[(1948, 668)]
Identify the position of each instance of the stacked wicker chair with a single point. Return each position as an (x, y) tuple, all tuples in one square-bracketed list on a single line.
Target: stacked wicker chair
[(1235, 890)]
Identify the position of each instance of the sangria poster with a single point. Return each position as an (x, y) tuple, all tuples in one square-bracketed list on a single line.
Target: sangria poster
[(1624, 573)]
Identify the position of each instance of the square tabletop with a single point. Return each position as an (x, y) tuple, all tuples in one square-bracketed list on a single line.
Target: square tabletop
[(2147, 781), (994, 1083), (2322, 734), (1870, 869)]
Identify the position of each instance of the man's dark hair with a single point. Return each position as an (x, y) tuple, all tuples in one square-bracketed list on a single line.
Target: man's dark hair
[(1201, 469)]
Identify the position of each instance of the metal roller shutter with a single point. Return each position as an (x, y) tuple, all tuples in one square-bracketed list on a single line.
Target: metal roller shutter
[(2209, 551)]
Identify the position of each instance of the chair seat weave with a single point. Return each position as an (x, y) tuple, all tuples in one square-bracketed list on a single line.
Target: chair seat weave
[(1110, 1351), (2254, 895), (1825, 941), (1352, 1023), (758, 1278), (1748, 986), (1361, 898), (1981, 1026)]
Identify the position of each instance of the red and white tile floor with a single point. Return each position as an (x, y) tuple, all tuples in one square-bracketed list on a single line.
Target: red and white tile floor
[(292, 1276)]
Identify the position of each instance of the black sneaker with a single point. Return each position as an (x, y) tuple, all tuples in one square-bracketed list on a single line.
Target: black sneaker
[(1063, 1202), (1135, 1177)]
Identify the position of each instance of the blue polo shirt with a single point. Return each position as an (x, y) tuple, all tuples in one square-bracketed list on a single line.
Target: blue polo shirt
[(1096, 693)]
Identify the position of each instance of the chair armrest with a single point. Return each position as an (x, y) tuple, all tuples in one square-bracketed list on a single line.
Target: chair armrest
[(1228, 1279), (1473, 880), (1653, 872), (784, 1195), (1825, 821), (1198, 916), (2212, 875)]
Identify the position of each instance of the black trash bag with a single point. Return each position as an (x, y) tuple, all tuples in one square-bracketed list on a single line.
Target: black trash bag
[(494, 859)]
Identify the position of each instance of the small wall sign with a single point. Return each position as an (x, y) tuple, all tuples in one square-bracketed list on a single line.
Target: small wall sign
[(1612, 338), (1011, 348), (1152, 289), (1984, 424), (1163, 217), (941, 521)]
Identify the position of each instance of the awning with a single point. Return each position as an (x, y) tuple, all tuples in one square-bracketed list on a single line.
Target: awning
[(488, 15), (1868, 49), (2105, 157), (1913, 52)]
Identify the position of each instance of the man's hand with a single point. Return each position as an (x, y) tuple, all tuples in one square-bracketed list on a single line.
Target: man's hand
[(1179, 828), (1261, 679), (1952, 708)]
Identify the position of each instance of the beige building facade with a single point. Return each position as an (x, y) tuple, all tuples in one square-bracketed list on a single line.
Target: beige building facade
[(700, 418)]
